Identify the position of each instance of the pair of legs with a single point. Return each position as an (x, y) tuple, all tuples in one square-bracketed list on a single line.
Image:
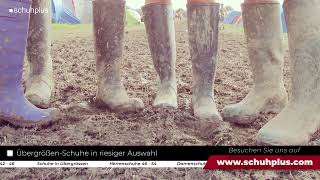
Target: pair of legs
[(14, 107), (298, 118), (203, 23), (109, 29)]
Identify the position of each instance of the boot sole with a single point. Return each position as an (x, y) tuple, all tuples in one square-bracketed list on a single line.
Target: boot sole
[(20, 123), (242, 120), (205, 129), (25, 124), (245, 120), (94, 102)]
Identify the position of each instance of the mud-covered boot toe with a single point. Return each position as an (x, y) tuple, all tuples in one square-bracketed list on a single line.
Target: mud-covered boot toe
[(133, 104), (234, 114), (166, 98), (39, 93), (293, 126), (116, 99), (30, 116), (256, 102), (209, 121), (209, 129), (279, 137), (205, 108), (50, 116)]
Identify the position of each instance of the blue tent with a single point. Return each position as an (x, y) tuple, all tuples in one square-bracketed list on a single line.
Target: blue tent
[(284, 25), (283, 20), (229, 19), (63, 12)]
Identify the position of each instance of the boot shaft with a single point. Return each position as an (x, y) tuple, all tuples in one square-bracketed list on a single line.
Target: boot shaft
[(39, 41), (41, 21), (13, 35), (302, 20), (262, 21), (14, 30), (262, 26), (160, 29), (203, 27), (304, 46), (109, 22)]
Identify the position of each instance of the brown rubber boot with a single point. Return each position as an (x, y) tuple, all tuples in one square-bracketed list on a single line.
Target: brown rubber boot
[(40, 84), (109, 20), (300, 119), (161, 35), (203, 27), (264, 38)]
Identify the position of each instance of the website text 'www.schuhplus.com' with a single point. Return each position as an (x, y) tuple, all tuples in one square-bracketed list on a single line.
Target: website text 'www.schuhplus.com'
[(264, 162)]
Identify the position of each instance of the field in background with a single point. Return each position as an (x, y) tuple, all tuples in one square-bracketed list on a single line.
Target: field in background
[(233, 28)]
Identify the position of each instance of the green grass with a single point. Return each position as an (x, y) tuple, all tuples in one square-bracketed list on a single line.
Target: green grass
[(71, 26), (131, 21), (233, 28)]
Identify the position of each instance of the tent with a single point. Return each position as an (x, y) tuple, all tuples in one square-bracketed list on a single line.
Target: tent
[(81, 12), (283, 20), (63, 12), (232, 17), (235, 18), (84, 11)]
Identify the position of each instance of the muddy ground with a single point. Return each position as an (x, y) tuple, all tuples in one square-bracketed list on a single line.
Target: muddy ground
[(74, 72)]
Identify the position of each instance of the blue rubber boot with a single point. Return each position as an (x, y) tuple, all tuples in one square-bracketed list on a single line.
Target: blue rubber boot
[(14, 107)]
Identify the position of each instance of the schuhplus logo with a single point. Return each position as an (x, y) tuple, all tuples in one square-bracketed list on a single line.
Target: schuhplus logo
[(22, 10)]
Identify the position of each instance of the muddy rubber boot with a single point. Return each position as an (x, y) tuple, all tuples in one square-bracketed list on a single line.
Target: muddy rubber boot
[(264, 38), (161, 35), (14, 107), (203, 27), (300, 119), (109, 21), (40, 84)]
